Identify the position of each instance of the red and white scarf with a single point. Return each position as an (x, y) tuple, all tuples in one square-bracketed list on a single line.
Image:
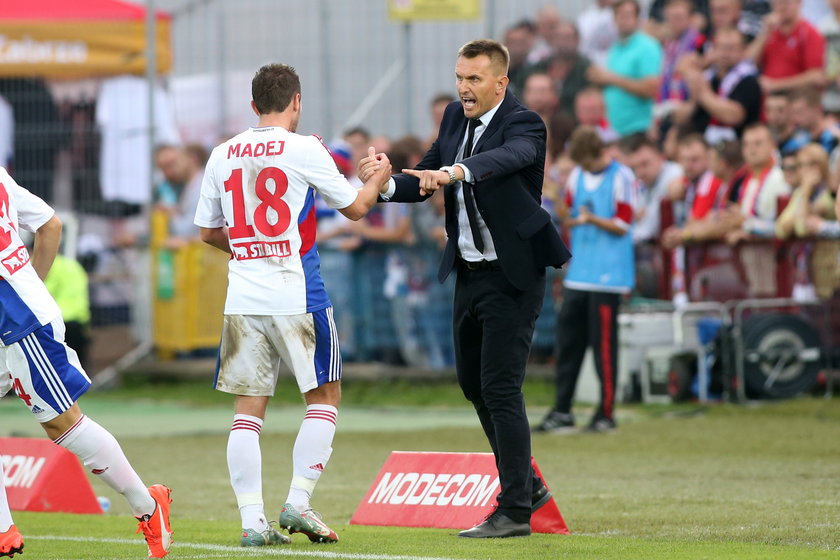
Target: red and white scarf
[(717, 131)]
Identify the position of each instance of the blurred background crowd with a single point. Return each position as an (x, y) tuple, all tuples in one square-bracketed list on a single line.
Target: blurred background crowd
[(726, 111)]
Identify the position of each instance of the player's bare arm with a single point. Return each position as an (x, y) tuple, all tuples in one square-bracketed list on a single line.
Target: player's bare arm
[(47, 239), (216, 237), (369, 193)]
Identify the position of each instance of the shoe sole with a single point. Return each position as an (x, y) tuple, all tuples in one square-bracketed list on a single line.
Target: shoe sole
[(494, 536), (311, 535), (282, 539), (314, 537), (249, 545), (12, 551)]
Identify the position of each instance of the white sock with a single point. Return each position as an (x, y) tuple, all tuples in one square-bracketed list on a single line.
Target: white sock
[(100, 452), (5, 514), (312, 450), (245, 465)]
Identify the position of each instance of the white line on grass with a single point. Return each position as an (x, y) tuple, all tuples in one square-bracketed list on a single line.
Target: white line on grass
[(257, 551)]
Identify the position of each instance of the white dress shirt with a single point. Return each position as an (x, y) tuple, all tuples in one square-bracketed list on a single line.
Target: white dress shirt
[(466, 243)]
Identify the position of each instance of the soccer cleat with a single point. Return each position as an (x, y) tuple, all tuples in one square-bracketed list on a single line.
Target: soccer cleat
[(156, 527), (307, 522), (269, 537), (11, 542)]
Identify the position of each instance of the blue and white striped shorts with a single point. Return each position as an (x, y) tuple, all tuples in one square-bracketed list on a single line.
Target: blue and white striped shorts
[(44, 372), (253, 346)]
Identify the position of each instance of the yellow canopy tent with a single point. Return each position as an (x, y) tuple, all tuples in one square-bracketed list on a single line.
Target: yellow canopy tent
[(79, 38)]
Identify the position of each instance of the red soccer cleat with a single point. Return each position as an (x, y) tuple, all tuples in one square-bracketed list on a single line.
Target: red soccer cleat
[(11, 542), (156, 527)]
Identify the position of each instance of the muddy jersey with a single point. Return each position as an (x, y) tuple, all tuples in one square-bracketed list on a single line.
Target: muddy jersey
[(261, 184)]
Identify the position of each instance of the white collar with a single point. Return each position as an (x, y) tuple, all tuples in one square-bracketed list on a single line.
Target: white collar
[(488, 116)]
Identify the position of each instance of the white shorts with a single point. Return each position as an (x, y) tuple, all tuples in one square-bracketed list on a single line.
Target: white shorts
[(44, 372), (253, 345)]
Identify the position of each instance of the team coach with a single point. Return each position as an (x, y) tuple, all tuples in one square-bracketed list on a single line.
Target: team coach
[(489, 158)]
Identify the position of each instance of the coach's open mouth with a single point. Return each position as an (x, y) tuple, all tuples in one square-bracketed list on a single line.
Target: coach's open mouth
[(468, 102)]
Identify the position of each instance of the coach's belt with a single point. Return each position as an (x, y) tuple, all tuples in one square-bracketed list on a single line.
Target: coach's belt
[(480, 265)]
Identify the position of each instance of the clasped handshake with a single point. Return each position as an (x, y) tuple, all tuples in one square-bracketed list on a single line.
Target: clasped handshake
[(430, 180)]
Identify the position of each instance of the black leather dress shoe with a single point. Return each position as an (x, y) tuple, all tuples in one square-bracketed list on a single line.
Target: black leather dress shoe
[(497, 526), (539, 498)]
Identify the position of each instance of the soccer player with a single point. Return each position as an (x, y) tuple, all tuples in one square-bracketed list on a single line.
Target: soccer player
[(46, 374), (257, 203)]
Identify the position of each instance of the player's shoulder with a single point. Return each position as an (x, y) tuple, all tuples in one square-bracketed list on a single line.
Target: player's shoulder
[(303, 149), (316, 147), (316, 140)]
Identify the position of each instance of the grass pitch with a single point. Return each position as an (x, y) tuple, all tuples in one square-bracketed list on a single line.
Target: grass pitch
[(673, 482)]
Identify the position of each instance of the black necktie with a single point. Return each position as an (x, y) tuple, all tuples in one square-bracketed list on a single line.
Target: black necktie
[(469, 199)]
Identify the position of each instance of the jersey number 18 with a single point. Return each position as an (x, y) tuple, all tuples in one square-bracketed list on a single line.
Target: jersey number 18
[(268, 199)]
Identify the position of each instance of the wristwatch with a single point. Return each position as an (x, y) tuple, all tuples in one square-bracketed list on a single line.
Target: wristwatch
[(451, 170)]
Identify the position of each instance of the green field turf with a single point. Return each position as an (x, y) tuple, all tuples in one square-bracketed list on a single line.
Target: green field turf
[(71, 537), (673, 482)]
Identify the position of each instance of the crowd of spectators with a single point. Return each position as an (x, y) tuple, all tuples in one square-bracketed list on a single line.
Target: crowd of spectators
[(725, 111), (381, 270)]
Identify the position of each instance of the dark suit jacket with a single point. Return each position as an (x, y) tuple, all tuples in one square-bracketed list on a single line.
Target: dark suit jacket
[(507, 168)]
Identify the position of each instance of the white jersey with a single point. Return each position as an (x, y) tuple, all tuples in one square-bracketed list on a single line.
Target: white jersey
[(25, 303), (261, 185)]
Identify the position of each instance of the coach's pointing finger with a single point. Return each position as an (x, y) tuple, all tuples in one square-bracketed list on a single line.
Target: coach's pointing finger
[(430, 180)]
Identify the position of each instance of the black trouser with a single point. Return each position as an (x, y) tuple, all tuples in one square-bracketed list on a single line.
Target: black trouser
[(493, 323), (587, 319)]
